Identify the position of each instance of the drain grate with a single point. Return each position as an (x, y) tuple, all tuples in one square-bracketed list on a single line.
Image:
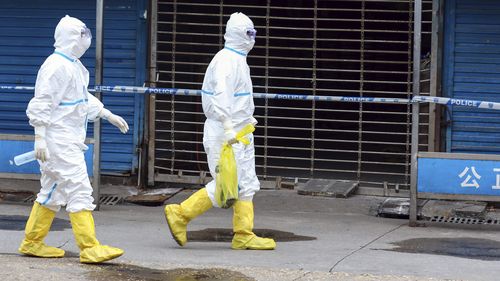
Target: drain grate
[(30, 199), (103, 199), (458, 220), (110, 199)]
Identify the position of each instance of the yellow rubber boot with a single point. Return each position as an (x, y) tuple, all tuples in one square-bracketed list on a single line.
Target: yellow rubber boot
[(178, 216), (244, 238), (37, 228), (91, 251)]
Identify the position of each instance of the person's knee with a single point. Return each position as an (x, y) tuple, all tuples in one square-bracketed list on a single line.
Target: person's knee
[(80, 202)]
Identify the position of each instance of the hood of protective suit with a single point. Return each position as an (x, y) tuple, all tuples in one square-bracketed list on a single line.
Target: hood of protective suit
[(68, 37), (236, 33)]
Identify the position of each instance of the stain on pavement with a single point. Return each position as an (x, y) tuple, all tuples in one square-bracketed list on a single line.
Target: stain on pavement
[(465, 247), (19, 223), (118, 272)]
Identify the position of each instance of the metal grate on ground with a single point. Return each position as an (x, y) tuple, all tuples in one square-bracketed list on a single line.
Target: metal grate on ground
[(345, 48), (103, 199), (110, 199), (460, 220), (30, 199)]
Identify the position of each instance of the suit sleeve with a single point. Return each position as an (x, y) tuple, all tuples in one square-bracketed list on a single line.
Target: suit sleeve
[(95, 107), (221, 99), (49, 90)]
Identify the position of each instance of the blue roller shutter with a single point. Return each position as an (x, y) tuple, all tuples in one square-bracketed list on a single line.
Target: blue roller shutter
[(472, 71), (27, 28)]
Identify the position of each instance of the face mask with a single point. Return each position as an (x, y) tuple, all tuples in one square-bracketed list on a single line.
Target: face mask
[(251, 44)]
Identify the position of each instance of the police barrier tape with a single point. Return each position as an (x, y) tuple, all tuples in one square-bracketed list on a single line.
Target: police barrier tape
[(188, 92)]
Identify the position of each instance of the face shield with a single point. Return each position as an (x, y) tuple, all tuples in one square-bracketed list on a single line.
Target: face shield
[(84, 42), (86, 33)]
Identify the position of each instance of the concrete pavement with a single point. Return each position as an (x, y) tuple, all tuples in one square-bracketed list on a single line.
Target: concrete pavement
[(350, 244)]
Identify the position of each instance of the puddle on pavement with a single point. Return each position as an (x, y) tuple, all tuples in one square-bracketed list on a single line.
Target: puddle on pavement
[(19, 223), (118, 272), (471, 248), (226, 235)]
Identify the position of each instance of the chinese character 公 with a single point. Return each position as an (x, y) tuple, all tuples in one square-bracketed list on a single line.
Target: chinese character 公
[(466, 182)]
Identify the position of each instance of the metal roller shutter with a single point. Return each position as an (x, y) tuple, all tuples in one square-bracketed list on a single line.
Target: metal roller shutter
[(472, 71), (342, 48), (27, 28)]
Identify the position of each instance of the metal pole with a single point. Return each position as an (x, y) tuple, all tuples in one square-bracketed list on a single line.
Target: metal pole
[(98, 81), (415, 110), (152, 98), (435, 83)]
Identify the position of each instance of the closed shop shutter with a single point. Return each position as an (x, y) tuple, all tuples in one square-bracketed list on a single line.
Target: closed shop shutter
[(27, 30), (472, 71), (338, 48)]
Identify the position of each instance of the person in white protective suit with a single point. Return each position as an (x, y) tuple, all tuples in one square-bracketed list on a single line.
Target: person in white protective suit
[(227, 99), (59, 113)]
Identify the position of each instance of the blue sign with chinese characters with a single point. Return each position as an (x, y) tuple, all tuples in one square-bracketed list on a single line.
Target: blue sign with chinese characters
[(458, 176), (11, 148)]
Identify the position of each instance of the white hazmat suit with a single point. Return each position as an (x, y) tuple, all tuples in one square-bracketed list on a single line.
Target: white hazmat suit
[(227, 99), (59, 112)]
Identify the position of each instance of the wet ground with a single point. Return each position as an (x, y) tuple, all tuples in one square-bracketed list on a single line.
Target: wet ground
[(318, 239), (471, 248), (15, 222), (118, 272), (226, 235), (17, 267)]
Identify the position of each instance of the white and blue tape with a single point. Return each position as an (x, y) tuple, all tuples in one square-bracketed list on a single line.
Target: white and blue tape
[(188, 92)]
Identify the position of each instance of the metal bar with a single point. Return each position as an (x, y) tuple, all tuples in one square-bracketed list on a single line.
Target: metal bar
[(436, 72), (152, 137), (336, 150), (465, 156), (408, 93), (293, 58), (19, 176), (179, 141), (96, 181), (266, 87), (220, 24), (184, 160), (17, 137), (415, 112), (292, 8), (314, 83), (298, 68), (361, 88), (173, 76), (290, 48), (152, 98), (438, 196), (337, 130), (434, 45), (178, 122), (331, 110)]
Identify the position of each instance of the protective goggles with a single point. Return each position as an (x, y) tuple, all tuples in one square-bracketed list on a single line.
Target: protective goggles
[(252, 33), (85, 33)]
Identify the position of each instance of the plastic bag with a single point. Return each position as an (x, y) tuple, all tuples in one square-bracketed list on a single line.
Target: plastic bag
[(226, 179)]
